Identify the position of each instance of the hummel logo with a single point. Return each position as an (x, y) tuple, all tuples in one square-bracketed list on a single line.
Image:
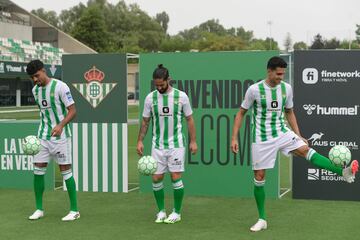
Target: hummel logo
[(309, 108)]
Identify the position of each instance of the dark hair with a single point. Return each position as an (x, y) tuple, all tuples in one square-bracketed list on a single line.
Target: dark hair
[(34, 66), (276, 62), (161, 73)]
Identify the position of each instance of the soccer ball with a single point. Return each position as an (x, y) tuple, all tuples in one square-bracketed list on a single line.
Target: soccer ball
[(147, 165), (31, 145), (340, 155)]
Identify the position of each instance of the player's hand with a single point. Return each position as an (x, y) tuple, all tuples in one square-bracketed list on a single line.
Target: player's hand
[(57, 130), (193, 147), (305, 140), (140, 148), (234, 145)]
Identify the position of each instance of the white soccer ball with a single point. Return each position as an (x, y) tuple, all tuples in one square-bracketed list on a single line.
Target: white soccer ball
[(147, 165), (340, 155), (31, 145)]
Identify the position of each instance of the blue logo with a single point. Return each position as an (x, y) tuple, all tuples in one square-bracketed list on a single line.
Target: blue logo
[(69, 97)]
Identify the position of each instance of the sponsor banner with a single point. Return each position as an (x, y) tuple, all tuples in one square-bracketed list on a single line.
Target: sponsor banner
[(330, 111), (327, 109), (18, 70), (16, 168)]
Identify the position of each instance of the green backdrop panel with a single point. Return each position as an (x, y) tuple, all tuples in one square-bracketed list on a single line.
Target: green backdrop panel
[(215, 83)]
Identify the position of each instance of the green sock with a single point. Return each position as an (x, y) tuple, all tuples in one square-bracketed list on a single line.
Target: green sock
[(158, 188), (178, 194), (71, 188), (39, 186), (259, 193), (323, 162)]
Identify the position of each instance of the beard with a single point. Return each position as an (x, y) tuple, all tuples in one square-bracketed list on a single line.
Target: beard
[(162, 91)]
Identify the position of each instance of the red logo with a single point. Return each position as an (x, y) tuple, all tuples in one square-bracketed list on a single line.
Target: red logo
[(94, 74)]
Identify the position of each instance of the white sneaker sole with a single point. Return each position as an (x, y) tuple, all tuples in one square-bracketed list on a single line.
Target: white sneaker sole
[(32, 219), (160, 220), (172, 222), (71, 219)]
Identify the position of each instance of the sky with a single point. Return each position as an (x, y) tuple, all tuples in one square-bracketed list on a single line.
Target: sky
[(302, 19)]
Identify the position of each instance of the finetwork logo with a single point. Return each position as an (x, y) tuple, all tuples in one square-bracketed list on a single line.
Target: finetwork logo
[(331, 111), (310, 75), (323, 175), (316, 140)]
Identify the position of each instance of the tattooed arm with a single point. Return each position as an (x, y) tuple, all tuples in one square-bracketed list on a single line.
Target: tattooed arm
[(142, 133)]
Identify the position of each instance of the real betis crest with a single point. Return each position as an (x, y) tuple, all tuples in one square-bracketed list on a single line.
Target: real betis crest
[(94, 91)]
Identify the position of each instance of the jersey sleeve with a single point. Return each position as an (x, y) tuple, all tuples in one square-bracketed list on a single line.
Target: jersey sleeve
[(289, 98), (147, 107), (65, 95), (186, 107), (248, 99)]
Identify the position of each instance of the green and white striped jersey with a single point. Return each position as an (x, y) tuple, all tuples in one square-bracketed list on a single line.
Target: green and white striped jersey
[(166, 111), (268, 109), (53, 100)]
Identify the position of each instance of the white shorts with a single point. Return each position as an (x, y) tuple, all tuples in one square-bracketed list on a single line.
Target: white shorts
[(264, 153), (59, 150), (169, 160)]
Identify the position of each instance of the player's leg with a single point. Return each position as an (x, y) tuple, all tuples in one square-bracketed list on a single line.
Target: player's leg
[(291, 143), (68, 177), (40, 163), (259, 194), (323, 162), (62, 155), (176, 164), (178, 186), (158, 189), (158, 184), (263, 157)]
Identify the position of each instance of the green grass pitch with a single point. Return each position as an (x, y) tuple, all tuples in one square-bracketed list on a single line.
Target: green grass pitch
[(132, 215)]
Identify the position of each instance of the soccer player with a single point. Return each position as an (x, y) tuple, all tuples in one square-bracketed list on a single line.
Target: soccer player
[(270, 99), (166, 106), (57, 109)]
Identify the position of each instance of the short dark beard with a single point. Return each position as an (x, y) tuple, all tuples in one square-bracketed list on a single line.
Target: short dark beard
[(167, 87)]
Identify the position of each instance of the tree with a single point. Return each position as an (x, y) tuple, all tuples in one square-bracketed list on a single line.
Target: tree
[(175, 43), (91, 29), (331, 44), (357, 32), (288, 42), (246, 36), (213, 42), (213, 26), (126, 28), (300, 46), (48, 16), (318, 42), (68, 18), (163, 19), (345, 44), (261, 44)]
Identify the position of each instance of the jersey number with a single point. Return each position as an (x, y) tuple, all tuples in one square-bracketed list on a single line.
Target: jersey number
[(44, 103), (274, 104)]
